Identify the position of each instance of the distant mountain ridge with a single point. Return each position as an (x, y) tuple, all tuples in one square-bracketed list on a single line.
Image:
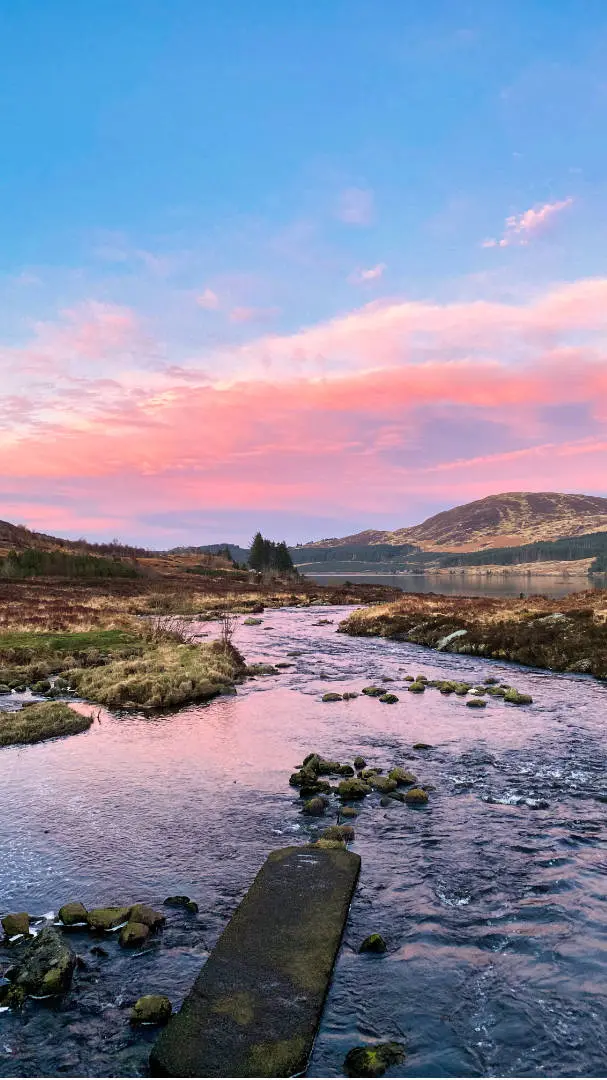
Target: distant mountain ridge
[(497, 521)]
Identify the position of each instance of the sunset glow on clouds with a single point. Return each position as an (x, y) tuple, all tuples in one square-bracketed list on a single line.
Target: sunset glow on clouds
[(277, 312)]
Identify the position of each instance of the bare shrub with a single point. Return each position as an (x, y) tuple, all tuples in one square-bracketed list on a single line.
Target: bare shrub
[(174, 628), (227, 628)]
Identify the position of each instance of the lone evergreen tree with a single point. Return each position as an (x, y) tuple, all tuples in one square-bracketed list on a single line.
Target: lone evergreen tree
[(257, 552)]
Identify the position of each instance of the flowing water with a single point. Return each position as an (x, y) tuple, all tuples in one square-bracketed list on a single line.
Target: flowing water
[(494, 909)]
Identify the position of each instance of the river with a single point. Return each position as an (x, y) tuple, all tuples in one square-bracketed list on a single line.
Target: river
[(495, 913)]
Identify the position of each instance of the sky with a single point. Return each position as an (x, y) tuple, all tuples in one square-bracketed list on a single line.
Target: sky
[(306, 267)]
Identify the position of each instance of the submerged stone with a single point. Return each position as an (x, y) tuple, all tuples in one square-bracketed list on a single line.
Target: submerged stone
[(374, 943), (422, 746), (181, 901), (476, 703), (373, 1060), (332, 697)]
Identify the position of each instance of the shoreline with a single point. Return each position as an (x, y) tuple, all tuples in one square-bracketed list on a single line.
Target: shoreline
[(568, 634)]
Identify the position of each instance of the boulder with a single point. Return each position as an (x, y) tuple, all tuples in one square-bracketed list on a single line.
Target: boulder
[(107, 918), (151, 1009), (181, 901), (325, 767), (73, 914), (353, 789), (346, 770), (338, 832), (416, 797), (422, 746), (370, 772), (401, 776), (514, 697), (46, 966), (143, 913), (133, 934), (4, 688), (316, 806), (374, 691), (416, 687), (476, 703), (349, 695), (373, 1060), (329, 845), (19, 923), (383, 784), (389, 699), (350, 812), (359, 762), (332, 697), (374, 943)]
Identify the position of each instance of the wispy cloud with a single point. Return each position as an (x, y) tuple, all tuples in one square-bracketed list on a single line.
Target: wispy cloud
[(356, 206), (253, 314), (374, 273), (208, 300), (521, 228)]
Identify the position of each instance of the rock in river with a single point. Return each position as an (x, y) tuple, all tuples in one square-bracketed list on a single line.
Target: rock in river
[(353, 789), (73, 914), (134, 934), (47, 965), (108, 918), (416, 797), (181, 901), (374, 943), (373, 1060), (143, 913), (151, 1009), (19, 923)]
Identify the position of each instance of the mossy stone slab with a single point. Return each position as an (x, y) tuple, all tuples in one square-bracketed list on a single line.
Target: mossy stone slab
[(257, 1003)]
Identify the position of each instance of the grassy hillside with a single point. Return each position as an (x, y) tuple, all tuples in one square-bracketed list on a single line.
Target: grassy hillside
[(498, 521)]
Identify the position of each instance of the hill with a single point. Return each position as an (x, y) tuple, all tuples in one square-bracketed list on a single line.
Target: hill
[(497, 521)]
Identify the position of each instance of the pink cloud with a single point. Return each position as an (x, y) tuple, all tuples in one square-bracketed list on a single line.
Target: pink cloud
[(252, 314), (356, 206), (520, 228), (374, 273), (364, 411), (208, 300)]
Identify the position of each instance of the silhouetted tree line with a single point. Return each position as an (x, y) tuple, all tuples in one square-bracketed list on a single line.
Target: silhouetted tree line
[(269, 555)]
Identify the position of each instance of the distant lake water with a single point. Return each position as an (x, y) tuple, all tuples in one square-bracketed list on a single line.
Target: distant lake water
[(460, 585)]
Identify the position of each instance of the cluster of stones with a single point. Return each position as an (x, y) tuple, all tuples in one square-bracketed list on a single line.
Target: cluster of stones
[(46, 961), (56, 688), (419, 683), (357, 781)]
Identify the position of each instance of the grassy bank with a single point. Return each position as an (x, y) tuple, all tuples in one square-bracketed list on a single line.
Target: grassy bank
[(569, 634)]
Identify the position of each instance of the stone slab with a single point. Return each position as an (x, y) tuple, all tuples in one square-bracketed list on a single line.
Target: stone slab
[(255, 1007)]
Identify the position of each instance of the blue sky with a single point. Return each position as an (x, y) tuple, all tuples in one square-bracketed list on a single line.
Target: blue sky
[(221, 173)]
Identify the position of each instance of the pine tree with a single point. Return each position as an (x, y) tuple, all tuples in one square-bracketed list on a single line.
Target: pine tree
[(284, 562), (257, 553)]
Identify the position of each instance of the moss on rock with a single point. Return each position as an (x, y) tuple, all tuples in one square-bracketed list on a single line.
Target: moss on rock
[(151, 1009), (353, 789), (374, 944), (373, 1060), (416, 797)]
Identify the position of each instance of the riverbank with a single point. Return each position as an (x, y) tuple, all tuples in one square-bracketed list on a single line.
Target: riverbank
[(565, 635)]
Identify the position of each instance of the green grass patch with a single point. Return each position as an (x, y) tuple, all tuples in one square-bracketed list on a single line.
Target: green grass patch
[(45, 720), (67, 642)]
